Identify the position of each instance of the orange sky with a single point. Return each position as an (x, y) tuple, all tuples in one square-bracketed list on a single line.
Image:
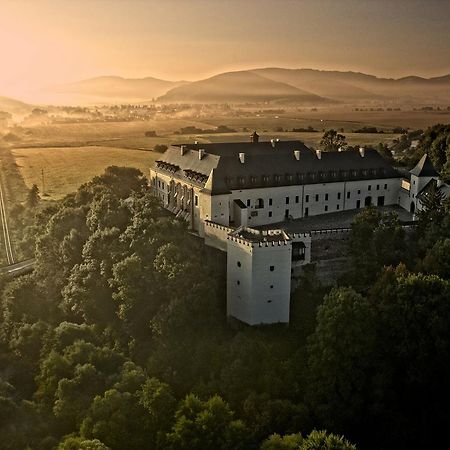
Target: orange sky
[(46, 42)]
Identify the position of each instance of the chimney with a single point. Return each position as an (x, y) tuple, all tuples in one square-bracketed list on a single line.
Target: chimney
[(319, 154), (254, 137), (297, 154), (201, 153), (362, 151), (242, 158), (182, 149), (272, 141)]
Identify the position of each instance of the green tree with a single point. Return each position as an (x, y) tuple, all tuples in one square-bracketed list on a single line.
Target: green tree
[(206, 425), (33, 197), (79, 443), (340, 357), (287, 442), (376, 240), (332, 140)]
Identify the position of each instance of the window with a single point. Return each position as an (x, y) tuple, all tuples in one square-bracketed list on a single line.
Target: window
[(317, 197), (248, 202), (337, 207), (348, 194), (358, 204), (306, 212), (287, 200), (296, 199), (272, 268), (339, 195), (271, 286), (238, 282), (260, 203), (359, 191), (239, 264), (326, 208), (385, 186), (326, 197), (306, 198), (270, 202), (196, 200), (369, 188), (378, 187), (270, 213)]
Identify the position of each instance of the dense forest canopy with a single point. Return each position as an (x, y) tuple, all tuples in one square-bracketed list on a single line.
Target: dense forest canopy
[(118, 339)]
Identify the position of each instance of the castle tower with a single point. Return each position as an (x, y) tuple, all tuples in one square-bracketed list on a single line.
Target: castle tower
[(421, 175)]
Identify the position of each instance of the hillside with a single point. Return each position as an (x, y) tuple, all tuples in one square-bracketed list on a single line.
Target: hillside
[(14, 106), (239, 87), (119, 88), (354, 86)]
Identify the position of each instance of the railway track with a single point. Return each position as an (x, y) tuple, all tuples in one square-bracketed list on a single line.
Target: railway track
[(4, 219)]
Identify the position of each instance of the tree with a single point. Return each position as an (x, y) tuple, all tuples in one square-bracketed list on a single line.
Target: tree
[(206, 425), (376, 240), (316, 440), (33, 197), (79, 443), (332, 140), (287, 442), (340, 357), (321, 440), (117, 419)]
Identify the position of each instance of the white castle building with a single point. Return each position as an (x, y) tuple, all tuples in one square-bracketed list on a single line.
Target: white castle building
[(240, 197)]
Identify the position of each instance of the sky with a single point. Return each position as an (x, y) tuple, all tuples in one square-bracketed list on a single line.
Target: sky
[(50, 42)]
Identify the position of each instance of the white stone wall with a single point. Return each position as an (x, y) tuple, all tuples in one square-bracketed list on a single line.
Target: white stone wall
[(255, 293), (216, 235), (311, 199), (160, 182)]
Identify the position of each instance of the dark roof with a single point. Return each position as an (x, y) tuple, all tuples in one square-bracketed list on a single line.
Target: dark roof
[(240, 203), (424, 168), (269, 164)]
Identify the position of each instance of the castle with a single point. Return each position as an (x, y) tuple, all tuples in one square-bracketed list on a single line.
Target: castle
[(245, 198)]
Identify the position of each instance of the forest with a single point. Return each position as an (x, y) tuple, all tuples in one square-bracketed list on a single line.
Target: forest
[(119, 338)]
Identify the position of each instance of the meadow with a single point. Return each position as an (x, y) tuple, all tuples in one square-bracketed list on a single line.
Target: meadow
[(66, 168)]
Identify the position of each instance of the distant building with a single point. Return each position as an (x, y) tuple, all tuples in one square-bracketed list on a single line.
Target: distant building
[(238, 196)]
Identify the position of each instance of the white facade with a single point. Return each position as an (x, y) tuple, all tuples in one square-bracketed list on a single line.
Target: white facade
[(258, 280), (260, 263)]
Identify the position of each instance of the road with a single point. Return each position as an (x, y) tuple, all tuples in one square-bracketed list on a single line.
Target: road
[(18, 269), (5, 228)]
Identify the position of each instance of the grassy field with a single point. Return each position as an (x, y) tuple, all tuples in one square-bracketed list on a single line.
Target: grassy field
[(66, 168)]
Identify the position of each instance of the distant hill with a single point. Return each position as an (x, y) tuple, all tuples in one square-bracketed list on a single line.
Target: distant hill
[(240, 87), (14, 106), (355, 86), (308, 87), (109, 87)]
